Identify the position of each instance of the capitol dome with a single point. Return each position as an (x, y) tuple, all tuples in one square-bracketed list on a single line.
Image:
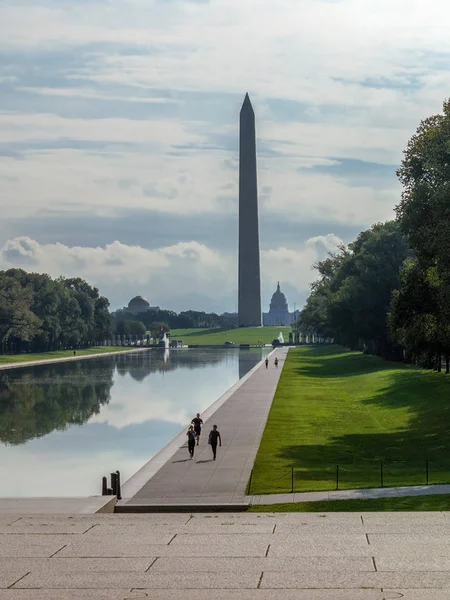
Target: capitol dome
[(138, 304), (278, 302)]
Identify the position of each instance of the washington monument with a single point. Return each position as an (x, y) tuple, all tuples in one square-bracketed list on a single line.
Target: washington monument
[(249, 294)]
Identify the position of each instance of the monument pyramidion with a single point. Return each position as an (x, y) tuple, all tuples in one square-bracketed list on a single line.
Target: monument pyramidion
[(249, 283)]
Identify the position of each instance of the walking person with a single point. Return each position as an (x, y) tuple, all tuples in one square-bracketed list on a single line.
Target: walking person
[(214, 436), (197, 423), (191, 440), (267, 363), (276, 361)]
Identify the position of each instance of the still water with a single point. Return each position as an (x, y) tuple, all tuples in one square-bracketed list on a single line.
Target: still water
[(64, 426)]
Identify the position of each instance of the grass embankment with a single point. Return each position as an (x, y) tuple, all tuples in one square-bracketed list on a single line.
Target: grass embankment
[(334, 407), (15, 358), (411, 503), (237, 335)]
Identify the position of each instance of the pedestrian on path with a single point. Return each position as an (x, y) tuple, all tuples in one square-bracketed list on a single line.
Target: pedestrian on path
[(214, 436), (267, 363), (191, 440), (197, 423), (276, 361)]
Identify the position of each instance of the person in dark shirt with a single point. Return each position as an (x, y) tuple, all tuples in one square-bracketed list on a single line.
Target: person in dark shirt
[(214, 437), (191, 440), (197, 422)]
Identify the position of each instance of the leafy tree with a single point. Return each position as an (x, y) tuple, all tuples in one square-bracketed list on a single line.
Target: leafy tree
[(137, 328), (350, 302), (123, 327), (421, 310), (103, 321), (411, 315), (40, 314), (424, 211), (18, 323)]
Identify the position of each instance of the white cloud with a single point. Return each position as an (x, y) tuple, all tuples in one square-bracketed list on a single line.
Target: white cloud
[(115, 261), (329, 81), (188, 182), (331, 242), (295, 267), (166, 274)]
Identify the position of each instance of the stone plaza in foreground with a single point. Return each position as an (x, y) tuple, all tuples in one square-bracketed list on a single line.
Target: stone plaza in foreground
[(244, 556)]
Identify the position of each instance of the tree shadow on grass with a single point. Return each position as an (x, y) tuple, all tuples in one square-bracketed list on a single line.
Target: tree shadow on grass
[(426, 395), (335, 361)]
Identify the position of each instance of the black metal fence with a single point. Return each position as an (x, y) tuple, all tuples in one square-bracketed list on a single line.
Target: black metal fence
[(354, 475)]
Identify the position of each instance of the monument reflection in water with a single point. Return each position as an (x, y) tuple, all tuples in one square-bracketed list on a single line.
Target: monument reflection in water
[(63, 426)]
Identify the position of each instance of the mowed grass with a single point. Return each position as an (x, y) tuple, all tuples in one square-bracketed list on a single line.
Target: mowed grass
[(237, 335), (411, 503), (15, 358), (379, 421)]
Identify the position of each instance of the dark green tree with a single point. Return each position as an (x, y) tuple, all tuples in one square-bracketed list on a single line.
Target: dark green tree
[(18, 324), (424, 216), (351, 300), (40, 314), (137, 328)]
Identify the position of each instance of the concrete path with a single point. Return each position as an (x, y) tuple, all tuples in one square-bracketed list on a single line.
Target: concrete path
[(241, 420), (246, 556), (362, 494), (33, 363)]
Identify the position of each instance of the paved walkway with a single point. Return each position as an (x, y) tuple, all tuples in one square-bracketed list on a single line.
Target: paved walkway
[(362, 494), (32, 363), (241, 420), (245, 556)]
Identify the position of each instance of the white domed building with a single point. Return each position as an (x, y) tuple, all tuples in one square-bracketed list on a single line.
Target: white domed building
[(139, 304), (279, 314)]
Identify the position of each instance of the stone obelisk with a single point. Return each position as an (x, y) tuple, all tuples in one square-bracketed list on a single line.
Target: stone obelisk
[(249, 285)]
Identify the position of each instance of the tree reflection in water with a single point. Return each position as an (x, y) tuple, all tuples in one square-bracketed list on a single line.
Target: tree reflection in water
[(34, 401)]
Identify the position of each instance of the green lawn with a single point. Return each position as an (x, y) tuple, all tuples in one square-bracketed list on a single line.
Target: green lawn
[(334, 407), (238, 335), (411, 503), (14, 358)]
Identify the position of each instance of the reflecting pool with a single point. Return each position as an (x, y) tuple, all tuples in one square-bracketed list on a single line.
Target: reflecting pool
[(64, 426)]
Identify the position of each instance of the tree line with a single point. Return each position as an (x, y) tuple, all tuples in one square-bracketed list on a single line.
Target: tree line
[(39, 314), (388, 292), (158, 321)]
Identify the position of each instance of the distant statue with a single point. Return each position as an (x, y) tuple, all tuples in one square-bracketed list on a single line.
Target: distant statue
[(281, 338), (165, 340)]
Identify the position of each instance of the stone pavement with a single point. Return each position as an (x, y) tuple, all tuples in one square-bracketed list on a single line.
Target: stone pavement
[(42, 505), (244, 556), (241, 419), (362, 494)]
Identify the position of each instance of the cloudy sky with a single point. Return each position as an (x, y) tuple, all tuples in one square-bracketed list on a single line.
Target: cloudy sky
[(119, 134)]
